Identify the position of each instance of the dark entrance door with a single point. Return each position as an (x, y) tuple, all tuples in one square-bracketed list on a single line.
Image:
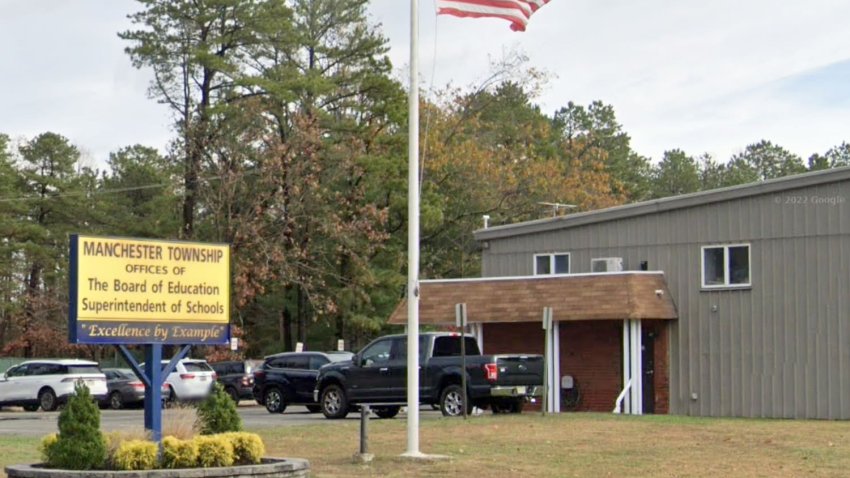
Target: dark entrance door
[(648, 359)]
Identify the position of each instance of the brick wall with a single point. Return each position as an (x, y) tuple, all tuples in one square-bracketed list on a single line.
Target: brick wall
[(662, 364), (591, 351)]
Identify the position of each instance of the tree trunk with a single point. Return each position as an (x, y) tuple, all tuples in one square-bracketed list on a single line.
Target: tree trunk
[(286, 329), (33, 282), (302, 316), (343, 274), (281, 326), (4, 321), (190, 180), (340, 327)]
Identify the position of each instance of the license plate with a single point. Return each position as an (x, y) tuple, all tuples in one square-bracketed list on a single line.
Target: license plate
[(203, 378), (520, 390)]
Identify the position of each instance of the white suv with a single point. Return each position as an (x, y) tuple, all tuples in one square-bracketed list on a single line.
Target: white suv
[(192, 379), (49, 383)]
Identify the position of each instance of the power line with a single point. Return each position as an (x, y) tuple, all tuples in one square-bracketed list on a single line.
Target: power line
[(109, 191)]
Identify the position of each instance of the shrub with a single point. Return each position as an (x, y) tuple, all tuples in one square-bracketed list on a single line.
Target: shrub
[(180, 421), (218, 414), (136, 455), (115, 439), (214, 450), (248, 448), (47, 442), (177, 453), (80, 445)]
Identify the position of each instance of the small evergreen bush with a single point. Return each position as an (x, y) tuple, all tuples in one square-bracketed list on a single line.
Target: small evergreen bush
[(136, 455), (80, 445), (177, 453), (248, 448), (218, 414), (213, 450)]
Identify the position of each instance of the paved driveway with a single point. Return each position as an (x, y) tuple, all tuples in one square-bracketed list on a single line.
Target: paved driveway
[(16, 422)]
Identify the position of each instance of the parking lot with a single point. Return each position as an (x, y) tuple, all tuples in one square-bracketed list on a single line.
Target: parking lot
[(16, 422)]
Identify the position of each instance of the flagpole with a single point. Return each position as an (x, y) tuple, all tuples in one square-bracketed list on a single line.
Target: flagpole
[(413, 242)]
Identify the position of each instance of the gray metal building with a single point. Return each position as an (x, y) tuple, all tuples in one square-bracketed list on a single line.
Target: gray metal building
[(760, 276)]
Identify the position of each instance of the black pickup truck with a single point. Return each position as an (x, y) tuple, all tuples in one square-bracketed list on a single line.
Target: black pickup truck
[(378, 375)]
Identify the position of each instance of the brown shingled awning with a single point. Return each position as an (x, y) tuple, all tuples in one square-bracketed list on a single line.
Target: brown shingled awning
[(608, 296)]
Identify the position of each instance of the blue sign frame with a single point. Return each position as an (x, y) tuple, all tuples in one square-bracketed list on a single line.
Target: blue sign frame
[(118, 332)]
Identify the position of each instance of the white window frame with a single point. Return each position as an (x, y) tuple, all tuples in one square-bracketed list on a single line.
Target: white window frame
[(551, 256), (726, 284)]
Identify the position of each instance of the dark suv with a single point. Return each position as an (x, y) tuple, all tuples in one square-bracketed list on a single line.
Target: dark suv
[(288, 378), (237, 377)]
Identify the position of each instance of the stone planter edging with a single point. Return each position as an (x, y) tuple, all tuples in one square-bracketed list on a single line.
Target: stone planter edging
[(269, 468)]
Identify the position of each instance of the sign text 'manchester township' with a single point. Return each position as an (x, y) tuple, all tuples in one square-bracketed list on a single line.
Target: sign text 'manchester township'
[(152, 281)]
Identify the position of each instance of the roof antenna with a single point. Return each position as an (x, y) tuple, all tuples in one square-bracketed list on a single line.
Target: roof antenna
[(557, 206)]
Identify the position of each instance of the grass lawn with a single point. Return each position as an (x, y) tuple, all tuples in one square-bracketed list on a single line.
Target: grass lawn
[(575, 444)]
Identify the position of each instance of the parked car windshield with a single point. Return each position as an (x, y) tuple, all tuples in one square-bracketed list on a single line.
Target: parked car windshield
[(75, 369), (126, 373), (449, 346), (197, 367), (251, 365), (339, 356)]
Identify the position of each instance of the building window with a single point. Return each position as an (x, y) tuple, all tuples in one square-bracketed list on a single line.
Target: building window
[(545, 264), (726, 266)]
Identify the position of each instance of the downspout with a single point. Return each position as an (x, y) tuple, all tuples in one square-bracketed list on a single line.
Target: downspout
[(556, 366), (627, 376), (618, 404)]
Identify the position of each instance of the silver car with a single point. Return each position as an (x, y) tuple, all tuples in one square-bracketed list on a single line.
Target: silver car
[(126, 389)]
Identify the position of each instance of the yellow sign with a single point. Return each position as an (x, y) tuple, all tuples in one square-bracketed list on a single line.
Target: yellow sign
[(141, 280)]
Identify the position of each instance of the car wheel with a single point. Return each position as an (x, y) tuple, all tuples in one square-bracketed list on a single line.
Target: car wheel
[(274, 400), (314, 408), (47, 400), (234, 395), (172, 396), (31, 407), (516, 406), (387, 412), (508, 406), (334, 404), (451, 401), (115, 401)]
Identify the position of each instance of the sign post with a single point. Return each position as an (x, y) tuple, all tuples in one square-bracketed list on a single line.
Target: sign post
[(460, 319), (547, 328), (149, 292)]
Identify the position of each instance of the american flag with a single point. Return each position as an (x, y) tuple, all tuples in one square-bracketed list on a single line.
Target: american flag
[(515, 11)]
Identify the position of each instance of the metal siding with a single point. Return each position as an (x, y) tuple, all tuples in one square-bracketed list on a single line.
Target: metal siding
[(839, 290), (776, 350)]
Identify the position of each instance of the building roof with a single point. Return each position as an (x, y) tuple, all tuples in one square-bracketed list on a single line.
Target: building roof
[(605, 296), (666, 204)]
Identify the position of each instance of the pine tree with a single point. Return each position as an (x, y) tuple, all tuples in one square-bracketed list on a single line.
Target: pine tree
[(218, 414), (81, 445)]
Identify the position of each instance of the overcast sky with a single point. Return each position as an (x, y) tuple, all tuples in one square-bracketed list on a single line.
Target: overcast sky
[(708, 76)]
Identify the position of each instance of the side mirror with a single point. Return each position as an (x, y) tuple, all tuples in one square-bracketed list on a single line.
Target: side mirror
[(357, 360)]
